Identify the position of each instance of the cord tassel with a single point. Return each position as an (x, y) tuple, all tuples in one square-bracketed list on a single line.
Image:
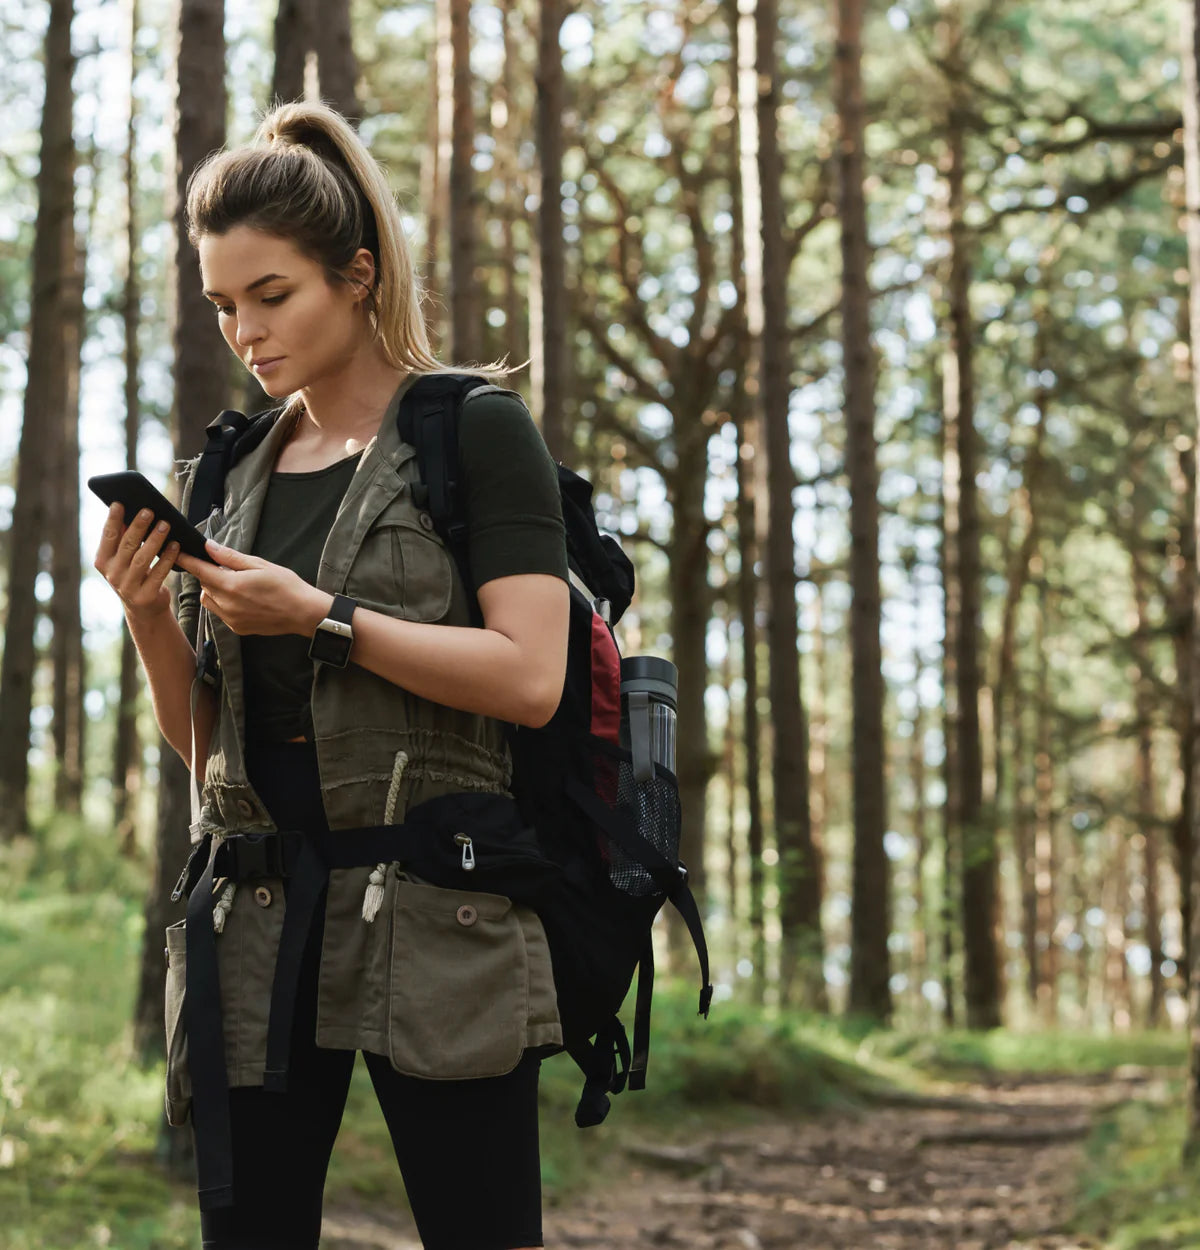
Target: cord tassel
[(223, 906), (373, 899)]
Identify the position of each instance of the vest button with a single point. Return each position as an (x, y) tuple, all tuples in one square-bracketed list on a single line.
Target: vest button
[(426, 521), (262, 896), (467, 915), (245, 808)]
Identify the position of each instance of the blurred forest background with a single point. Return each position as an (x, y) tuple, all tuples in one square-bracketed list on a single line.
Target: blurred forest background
[(871, 325)]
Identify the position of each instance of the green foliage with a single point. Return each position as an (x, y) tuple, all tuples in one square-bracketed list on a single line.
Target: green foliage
[(961, 1054), (1136, 1192)]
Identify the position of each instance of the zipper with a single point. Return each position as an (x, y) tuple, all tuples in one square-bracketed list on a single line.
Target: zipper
[(468, 851)]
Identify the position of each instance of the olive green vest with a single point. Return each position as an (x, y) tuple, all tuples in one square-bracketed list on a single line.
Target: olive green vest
[(448, 984)]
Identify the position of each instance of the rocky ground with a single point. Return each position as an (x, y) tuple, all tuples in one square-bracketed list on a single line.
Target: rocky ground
[(986, 1167)]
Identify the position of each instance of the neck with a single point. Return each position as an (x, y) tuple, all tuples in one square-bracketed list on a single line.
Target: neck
[(347, 406)]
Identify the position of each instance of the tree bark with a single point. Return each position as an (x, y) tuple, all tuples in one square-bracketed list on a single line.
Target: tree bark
[(800, 872), (981, 963), (551, 402), (1045, 852), (295, 38), (45, 396), (127, 755), (870, 917), (747, 258), (465, 313), (337, 66), (1191, 147), (201, 391), (66, 564)]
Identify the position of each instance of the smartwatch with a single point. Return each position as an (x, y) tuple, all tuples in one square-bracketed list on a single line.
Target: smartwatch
[(333, 638)]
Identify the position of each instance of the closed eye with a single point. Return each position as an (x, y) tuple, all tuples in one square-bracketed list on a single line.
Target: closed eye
[(228, 309)]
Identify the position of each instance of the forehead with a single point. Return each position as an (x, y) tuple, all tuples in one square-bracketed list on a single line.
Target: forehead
[(230, 262)]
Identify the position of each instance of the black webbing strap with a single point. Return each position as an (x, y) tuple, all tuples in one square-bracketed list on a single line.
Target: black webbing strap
[(641, 1018), (666, 875), (208, 484), (206, 1050), (306, 887), (605, 1066)]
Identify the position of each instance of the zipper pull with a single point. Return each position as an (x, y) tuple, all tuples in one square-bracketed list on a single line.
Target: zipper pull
[(468, 849)]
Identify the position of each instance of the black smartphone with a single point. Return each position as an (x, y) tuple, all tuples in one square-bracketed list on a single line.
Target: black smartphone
[(136, 493)]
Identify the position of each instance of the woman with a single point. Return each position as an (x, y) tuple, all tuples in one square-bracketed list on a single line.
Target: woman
[(449, 994)]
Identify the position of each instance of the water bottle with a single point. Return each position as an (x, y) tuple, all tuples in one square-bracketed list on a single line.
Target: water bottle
[(649, 710)]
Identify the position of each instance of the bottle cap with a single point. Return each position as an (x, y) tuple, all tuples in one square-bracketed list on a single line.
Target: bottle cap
[(652, 674)]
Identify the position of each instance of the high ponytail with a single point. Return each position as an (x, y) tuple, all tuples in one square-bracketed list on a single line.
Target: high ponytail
[(307, 177)]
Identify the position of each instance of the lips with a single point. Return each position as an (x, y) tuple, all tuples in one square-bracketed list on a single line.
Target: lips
[(265, 363)]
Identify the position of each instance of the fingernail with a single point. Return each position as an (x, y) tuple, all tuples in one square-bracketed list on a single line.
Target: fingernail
[(162, 527)]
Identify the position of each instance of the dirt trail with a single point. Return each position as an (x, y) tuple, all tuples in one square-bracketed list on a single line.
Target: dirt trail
[(988, 1167)]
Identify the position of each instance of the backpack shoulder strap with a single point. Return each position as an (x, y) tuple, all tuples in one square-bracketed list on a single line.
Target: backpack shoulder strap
[(428, 421), (230, 437)]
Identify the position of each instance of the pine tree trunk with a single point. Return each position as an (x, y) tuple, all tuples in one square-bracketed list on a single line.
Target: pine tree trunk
[(201, 391), (127, 753), (747, 263), (551, 402), (870, 917), (800, 872), (465, 310), (337, 66), (919, 940), (1191, 146), (295, 38), (981, 963), (45, 397), (66, 562), (1044, 823), (512, 204)]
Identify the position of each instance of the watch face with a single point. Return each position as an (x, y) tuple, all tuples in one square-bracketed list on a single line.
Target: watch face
[(330, 648)]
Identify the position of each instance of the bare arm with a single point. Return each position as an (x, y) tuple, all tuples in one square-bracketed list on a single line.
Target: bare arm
[(512, 669)]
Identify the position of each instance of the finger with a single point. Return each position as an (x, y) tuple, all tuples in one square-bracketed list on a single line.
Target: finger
[(166, 562), (143, 557), (229, 558), (114, 527), (132, 539)]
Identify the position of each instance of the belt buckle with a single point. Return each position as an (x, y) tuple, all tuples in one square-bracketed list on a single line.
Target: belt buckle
[(255, 855)]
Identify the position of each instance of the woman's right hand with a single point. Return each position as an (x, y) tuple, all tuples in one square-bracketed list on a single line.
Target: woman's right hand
[(126, 559)]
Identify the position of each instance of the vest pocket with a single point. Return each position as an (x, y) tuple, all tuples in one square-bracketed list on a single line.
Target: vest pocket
[(179, 1082), (402, 569), (459, 984)]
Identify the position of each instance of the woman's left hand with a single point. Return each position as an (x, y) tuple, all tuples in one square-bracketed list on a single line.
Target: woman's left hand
[(254, 596)]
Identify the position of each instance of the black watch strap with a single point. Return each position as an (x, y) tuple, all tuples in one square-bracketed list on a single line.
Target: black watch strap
[(342, 609)]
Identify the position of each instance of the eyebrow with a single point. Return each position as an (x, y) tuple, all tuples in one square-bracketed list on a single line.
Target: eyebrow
[(269, 277)]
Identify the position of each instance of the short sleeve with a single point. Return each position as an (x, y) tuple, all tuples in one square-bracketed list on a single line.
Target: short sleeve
[(187, 593), (513, 505)]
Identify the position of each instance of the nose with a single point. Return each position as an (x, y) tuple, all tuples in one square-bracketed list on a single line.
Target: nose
[(249, 330)]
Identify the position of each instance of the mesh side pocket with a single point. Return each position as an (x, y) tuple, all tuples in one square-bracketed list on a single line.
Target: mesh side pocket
[(648, 810)]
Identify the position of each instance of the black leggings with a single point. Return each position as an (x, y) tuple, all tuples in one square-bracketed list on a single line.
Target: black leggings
[(467, 1150)]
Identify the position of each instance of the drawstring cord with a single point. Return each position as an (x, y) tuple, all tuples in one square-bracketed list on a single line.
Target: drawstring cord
[(373, 898)]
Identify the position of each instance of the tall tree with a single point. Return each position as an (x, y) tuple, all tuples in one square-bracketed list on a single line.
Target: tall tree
[(63, 515), (337, 65), (54, 262), (800, 872), (981, 963), (295, 37), (551, 402), (127, 751), (465, 310), (315, 35), (201, 391), (1191, 120), (870, 920)]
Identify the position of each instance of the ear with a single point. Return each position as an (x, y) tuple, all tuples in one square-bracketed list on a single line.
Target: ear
[(361, 273)]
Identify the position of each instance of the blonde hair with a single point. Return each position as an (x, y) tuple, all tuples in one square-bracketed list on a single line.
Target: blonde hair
[(307, 177)]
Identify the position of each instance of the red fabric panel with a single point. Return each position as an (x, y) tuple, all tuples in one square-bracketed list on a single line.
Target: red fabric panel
[(606, 682)]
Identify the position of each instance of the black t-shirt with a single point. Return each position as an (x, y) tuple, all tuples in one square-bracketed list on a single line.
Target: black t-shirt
[(514, 525)]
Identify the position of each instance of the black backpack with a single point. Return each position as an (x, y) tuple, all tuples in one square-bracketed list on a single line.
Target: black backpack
[(607, 842)]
